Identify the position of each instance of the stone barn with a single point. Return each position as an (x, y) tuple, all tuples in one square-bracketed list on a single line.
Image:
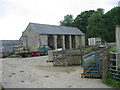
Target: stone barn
[(54, 36)]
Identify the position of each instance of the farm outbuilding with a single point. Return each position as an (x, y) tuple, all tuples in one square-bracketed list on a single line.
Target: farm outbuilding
[(53, 36), (6, 47), (94, 41)]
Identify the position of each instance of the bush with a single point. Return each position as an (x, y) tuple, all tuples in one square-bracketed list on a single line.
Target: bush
[(111, 82)]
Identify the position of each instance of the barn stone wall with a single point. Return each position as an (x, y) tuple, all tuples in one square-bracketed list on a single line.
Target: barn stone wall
[(30, 39), (82, 41), (44, 39)]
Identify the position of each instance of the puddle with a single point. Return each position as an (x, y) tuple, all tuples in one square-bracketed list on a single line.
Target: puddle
[(13, 73), (46, 76), (21, 71)]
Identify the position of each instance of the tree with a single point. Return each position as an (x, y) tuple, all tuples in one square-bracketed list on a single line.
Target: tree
[(81, 21), (112, 18), (100, 10), (68, 21), (96, 25)]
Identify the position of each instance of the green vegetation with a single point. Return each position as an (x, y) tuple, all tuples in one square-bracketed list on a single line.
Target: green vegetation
[(95, 23), (111, 82), (86, 49), (1, 87), (68, 21), (113, 49)]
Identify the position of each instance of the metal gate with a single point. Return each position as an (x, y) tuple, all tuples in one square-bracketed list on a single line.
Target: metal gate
[(94, 64), (114, 66)]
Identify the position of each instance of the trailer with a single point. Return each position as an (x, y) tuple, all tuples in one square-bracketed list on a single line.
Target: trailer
[(24, 51)]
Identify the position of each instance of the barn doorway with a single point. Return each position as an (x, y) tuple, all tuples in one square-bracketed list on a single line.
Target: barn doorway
[(73, 41), (59, 41), (67, 42)]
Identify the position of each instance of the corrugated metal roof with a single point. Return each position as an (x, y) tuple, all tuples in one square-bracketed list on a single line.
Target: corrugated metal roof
[(52, 29)]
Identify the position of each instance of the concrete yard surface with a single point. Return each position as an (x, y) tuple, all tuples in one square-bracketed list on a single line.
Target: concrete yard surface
[(0, 73), (35, 72)]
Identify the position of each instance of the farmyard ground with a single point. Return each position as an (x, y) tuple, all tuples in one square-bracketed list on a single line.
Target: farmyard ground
[(35, 72)]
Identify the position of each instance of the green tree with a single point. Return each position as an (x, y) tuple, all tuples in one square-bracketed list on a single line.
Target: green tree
[(112, 18), (81, 21), (68, 21), (100, 10), (96, 25)]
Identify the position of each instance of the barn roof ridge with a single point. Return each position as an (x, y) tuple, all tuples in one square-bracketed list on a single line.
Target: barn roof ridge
[(56, 29), (52, 25)]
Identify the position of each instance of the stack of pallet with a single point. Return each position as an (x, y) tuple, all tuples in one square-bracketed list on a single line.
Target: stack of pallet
[(20, 49)]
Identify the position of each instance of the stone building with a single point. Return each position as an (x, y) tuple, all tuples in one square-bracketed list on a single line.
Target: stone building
[(6, 47), (54, 36)]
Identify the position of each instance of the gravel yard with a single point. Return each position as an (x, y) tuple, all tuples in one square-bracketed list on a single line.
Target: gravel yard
[(35, 72)]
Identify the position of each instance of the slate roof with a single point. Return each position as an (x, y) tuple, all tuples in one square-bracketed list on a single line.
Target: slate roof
[(9, 42), (52, 29), (8, 45)]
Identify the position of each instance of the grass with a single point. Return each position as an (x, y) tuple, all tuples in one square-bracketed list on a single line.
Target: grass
[(113, 49), (107, 79), (1, 88), (86, 49), (110, 82)]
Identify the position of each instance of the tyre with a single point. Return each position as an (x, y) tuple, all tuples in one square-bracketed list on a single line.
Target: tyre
[(28, 55)]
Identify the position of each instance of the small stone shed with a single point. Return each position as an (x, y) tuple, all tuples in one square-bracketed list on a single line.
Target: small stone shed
[(54, 36)]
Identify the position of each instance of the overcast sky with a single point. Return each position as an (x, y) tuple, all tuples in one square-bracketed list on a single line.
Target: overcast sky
[(15, 15)]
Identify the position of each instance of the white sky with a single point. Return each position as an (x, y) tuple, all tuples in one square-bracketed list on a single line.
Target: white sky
[(15, 15)]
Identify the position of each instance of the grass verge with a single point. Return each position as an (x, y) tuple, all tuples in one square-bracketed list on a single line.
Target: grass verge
[(110, 82), (113, 49)]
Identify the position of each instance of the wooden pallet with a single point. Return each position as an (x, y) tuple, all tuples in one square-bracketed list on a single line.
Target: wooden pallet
[(83, 75)]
